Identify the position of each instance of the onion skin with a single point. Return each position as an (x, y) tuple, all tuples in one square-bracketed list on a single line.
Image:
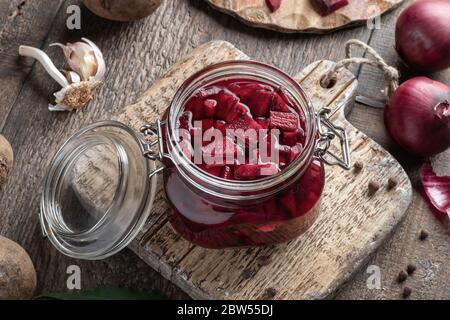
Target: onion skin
[(423, 35), (413, 120)]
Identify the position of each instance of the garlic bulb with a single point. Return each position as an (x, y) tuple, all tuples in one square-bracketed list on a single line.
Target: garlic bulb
[(79, 84)]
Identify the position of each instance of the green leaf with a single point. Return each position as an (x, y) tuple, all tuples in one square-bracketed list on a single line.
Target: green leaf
[(104, 293)]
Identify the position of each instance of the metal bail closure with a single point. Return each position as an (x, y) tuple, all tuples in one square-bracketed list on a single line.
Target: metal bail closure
[(328, 131), (154, 150)]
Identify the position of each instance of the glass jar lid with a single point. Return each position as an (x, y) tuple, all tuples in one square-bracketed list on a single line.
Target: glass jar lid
[(97, 193)]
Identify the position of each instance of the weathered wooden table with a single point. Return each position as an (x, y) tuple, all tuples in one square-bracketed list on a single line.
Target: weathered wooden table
[(137, 54)]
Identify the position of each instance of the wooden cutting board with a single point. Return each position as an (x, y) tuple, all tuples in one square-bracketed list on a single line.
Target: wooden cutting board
[(301, 16), (351, 225)]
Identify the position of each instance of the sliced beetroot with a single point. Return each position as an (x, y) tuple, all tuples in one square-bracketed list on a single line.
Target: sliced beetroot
[(244, 105), (244, 122), (437, 189), (209, 108), (209, 92), (289, 138), (220, 125), (327, 7), (263, 122), (185, 120), (295, 152), (195, 106), (283, 121), (228, 107), (273, 5), (255, 171), (226, 173), (279, 104), (215, 171)]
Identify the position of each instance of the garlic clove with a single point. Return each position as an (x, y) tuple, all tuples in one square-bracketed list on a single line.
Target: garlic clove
[(101, 65), (81, 58)]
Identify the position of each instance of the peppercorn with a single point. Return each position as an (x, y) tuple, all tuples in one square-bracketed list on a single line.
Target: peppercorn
[(271, 293), (263, 261), (358, 166), (402, 276), (246, 274), (410, 269), (406, 292), (373, 188), (392, 183), (423, 235)]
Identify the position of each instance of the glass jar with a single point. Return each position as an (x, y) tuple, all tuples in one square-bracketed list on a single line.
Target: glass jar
[(97, 195)]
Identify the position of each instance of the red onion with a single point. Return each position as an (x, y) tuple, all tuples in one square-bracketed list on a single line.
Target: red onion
[(436, 188), (423, 35), (418, 116)]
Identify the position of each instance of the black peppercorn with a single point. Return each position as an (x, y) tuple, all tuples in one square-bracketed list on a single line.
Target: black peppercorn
[(406, 292), (392, 183), (423, 235), (402, 276), (373, 188), (271, 293), (410, 269)]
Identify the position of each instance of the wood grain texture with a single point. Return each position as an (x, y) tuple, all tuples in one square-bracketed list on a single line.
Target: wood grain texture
[(137, 54), (302, 16), (350, 227)]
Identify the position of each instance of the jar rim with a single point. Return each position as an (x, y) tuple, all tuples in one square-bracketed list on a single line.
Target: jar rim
[(241, 69)]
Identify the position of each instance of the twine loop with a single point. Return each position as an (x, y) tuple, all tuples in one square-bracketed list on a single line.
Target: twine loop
[(391, 74)]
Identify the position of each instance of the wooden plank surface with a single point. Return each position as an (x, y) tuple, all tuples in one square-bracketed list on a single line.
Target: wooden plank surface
[(301, 16), (350, 227), (137, 54)]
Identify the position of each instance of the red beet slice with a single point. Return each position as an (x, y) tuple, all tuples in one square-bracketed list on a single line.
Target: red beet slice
[(185, 120), (437, 189), (209, 108), (289, 138), (279, 104), (327, 7), (295, 151), (220, 125), (215, 171), (273, 5), (207, 124), (244, 122), (254, 171), (226, 172), (283, 121), (228, 107), (263, 122), (256, 96)]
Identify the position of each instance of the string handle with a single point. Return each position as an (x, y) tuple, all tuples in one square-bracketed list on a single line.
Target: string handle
[(391, 74)]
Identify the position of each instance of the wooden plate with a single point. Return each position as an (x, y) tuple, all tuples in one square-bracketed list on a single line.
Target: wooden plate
[(300, 16)]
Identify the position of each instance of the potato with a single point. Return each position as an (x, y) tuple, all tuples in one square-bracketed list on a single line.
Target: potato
[(122, 10), (17, 273), (6, 159)]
